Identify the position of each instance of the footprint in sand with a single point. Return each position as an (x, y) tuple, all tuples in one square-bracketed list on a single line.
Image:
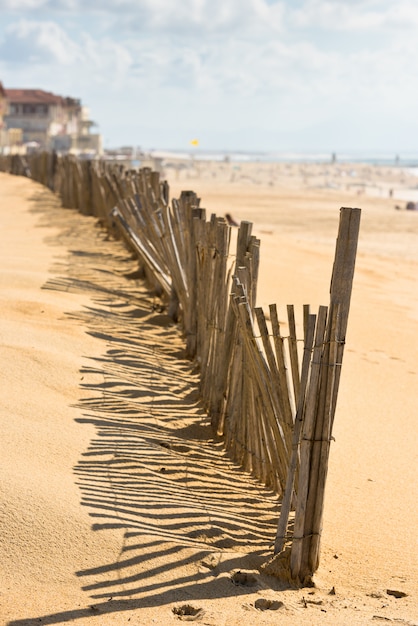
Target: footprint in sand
[(188, 613), (262, 604), (244, 579), (211, 562)]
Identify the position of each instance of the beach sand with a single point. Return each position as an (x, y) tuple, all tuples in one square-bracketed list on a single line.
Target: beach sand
[(117, 505)]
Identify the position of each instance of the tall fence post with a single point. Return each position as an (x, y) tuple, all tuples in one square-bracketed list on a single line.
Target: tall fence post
[(316, 409)]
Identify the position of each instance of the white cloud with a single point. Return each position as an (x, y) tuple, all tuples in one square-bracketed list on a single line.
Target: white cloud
[(366, 16), (44, 42), (22, 5), (236, 17), (36, 43), (189, 18), (236, 68), (108, 60), (17, 6)]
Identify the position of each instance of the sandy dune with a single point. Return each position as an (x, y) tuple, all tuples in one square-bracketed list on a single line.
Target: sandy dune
[(117, 505)]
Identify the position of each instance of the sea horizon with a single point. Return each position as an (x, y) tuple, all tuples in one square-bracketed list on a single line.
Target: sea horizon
[(388, 158)]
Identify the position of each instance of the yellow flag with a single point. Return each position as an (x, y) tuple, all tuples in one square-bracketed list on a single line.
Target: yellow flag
[(194, 142)]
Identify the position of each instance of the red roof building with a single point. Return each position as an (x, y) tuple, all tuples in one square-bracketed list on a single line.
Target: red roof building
[(46, 121), (41, 115), (3, 104)]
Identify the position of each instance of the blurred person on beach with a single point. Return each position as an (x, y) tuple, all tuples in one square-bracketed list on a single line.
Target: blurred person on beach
[(410, 206), (230, 220)]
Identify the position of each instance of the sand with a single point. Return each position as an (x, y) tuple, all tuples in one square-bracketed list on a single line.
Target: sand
[(117, 505)]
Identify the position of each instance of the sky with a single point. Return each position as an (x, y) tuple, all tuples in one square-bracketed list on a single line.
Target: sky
[(260, 75)]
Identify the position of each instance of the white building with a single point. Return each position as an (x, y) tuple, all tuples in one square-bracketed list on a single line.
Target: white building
[(53, 122)]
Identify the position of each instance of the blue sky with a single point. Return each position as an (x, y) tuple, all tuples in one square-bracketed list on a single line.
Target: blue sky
[(314, 75)]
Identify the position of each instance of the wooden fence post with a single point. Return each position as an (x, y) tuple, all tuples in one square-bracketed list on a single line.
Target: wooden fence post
[(321, 403)]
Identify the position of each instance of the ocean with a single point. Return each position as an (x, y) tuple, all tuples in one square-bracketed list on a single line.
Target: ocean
[(389, 159)]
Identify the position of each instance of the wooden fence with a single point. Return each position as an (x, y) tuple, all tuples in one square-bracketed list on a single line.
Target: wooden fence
[(273, 404)]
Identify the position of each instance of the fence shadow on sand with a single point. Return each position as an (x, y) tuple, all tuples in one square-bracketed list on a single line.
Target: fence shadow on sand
[(188, 517)]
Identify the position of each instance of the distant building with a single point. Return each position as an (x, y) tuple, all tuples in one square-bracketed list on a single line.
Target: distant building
[(49, 122), (3, 109), (84, 141), (2, 104)]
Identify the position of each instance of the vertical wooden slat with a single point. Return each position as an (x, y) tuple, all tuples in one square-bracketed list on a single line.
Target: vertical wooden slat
[(308, 427), (308, 527), (293, 351), (340, 298), (290, 479), (284, 381)]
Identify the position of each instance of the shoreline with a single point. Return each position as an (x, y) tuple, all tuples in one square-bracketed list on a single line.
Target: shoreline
[(357, 180)]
